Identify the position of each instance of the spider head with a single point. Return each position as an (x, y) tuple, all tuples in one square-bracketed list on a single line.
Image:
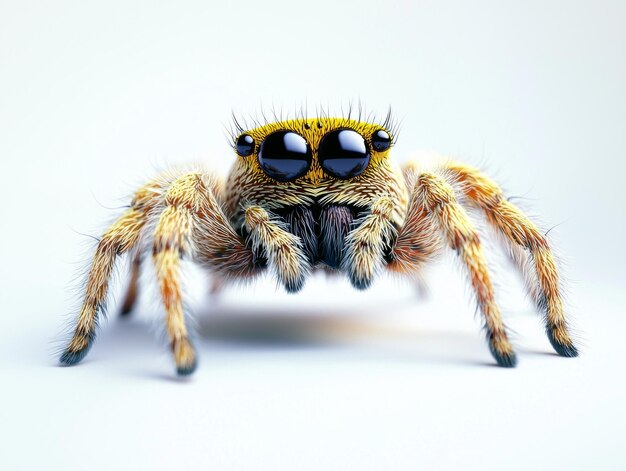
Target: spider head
[(316, 161), (313, 151)]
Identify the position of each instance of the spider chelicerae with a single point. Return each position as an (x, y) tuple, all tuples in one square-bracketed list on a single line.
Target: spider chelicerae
[(316, 193)]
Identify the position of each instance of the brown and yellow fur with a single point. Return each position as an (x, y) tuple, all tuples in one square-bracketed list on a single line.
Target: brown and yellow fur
[(385, 218)]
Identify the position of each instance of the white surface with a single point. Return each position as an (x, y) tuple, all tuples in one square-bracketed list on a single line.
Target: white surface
[(93, 97)]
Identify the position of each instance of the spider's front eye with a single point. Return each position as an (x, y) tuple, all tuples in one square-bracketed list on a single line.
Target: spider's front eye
[(343, 153), (244, 145), (285, 156), (381, 140)]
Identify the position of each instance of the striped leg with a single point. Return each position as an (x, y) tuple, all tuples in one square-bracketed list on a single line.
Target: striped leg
[(119, 238), (365, 245), (283, 250), (438, 199), (520, 232)]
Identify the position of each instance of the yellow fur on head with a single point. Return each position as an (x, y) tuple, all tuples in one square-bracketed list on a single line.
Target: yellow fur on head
[(247, 183)]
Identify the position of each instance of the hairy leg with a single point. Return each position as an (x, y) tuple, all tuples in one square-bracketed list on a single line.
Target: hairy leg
[(283, 250), (439, 201), (133, 286), (124, 235), (171, 242), (189, 220), (521, 232), (365, 245), (192, 224), (418, 239), (120, 237)]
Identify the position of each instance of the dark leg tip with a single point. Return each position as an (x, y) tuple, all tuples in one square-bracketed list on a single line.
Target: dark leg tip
[(569, 351), (69, 357), (360, 283), (506, 360), (186, 370), (294, 286), (563, 349)]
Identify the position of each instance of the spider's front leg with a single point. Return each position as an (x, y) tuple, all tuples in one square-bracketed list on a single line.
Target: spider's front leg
[(283, 250), (365, 245), (434, 209)]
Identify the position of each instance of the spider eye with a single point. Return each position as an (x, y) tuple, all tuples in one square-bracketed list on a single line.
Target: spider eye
[(343, 153), (285, 156), (244, 145), (381, 140)]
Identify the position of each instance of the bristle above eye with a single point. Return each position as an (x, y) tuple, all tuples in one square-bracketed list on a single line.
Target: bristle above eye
[(239, 124)]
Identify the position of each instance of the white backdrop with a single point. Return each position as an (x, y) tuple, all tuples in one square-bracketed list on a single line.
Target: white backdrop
[(95, 96)]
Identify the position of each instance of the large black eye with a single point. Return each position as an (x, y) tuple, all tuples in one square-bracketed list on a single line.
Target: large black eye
[(381, 140), (244, 145), (284, 156), (343, 153)]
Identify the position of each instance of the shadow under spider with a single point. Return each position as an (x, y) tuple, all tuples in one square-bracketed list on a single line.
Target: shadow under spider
[(291, 326), (361, 331)]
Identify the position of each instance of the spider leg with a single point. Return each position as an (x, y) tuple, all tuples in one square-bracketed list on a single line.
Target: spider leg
[(418, 239), (434, 201), (193, 223), (188, 220), (365, 245), (171, 242), (120, 237), (133, 286), (521, 233), (283, 250)]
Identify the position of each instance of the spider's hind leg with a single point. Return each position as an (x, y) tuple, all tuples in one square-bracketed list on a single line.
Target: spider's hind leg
[(521, 233), (434, 198), (189, 221), (119, 238), (132, 292)]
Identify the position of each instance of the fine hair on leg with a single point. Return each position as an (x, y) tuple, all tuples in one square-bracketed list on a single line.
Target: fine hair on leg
[(283, 250), (183, 217), (521, 233), (119, 238), (438, 198), (132, 292), (365, 245)]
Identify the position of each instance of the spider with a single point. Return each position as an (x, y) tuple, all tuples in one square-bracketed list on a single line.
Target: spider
[(316, 193)]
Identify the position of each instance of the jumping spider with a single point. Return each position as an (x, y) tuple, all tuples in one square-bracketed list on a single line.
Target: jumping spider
[(309, 194)]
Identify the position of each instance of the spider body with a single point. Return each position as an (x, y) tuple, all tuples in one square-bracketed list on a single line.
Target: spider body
[(317, 193), (317, 207)]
